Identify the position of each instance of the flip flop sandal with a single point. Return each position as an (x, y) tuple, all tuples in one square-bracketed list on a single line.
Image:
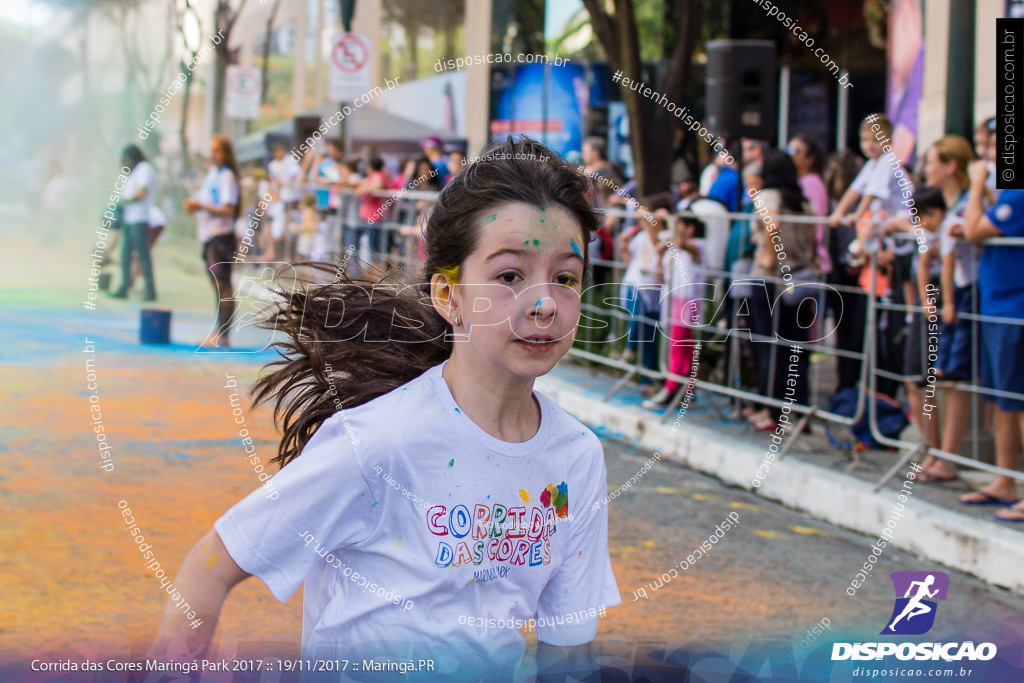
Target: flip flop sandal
[(1011, 520), (932, 479), (988, 499)]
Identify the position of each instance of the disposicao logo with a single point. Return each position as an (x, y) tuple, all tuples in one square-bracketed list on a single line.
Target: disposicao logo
[(914, 613)]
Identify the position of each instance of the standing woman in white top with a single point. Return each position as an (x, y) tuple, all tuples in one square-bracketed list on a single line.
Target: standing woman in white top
[(216, 204), (139, 190)]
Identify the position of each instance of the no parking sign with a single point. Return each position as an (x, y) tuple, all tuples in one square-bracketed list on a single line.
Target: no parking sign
[(349, 74), (242, 96)]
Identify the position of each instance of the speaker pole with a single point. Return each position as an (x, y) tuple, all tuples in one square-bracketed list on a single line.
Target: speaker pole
[(842, 116), (783, 107)]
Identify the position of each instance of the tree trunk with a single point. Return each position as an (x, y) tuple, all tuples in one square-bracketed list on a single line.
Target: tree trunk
[(220, 70), (267, 39), (660, 156), (650, 121), (182, 134), (223, 20), (412, 32)]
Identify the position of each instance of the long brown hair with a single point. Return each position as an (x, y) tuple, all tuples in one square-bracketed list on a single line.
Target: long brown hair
[(228, 149), (957, 149), (377, 329)]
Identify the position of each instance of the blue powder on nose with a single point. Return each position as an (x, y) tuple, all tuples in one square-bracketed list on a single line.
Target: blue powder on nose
[(538, 302)]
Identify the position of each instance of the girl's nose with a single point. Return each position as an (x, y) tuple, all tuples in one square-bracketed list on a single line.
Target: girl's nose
[(543, 306)]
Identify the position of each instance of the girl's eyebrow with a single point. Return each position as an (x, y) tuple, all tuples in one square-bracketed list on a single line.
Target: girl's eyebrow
[(506, 250), (571, 254), (524, 252)]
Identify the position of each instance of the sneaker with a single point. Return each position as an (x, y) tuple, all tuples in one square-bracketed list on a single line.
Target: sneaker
[(628, 356), (119, 294), (659, 400)]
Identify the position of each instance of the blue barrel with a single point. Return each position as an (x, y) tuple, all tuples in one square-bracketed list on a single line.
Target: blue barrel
[(155, 326)]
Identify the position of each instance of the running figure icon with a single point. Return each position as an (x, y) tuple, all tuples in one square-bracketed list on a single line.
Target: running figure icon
[(915, 607), (917, 594)]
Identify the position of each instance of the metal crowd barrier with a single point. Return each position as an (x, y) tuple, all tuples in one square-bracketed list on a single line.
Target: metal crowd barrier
[(404, 216)]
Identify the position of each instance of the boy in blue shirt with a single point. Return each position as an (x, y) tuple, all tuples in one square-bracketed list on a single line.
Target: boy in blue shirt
[(1001, 283)]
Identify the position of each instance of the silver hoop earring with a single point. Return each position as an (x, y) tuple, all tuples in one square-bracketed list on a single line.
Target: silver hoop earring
[(458, 323)]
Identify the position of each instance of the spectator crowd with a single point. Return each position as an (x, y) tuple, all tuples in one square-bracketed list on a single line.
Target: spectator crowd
[(949, 308)]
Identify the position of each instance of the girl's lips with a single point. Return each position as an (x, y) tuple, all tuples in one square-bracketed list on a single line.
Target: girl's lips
[(535, 345)]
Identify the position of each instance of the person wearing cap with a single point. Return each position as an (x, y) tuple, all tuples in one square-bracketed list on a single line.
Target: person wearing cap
[(433, 147)]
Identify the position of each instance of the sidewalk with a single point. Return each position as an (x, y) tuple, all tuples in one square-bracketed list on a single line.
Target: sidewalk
[(810, 478)]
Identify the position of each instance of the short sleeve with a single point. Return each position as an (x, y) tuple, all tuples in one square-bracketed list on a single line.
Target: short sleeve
[(131, 185), (1008, 213), (148, 179), (860, 183), (635, 247), (772, 202), (947, 242), (879, 182), (584, 586), (323, 493), (227, 188)]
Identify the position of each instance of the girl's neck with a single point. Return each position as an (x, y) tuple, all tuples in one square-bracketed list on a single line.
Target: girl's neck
[(500, 404), (951, 190)]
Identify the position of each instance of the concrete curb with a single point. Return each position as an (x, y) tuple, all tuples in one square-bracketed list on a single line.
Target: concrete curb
[(985, 549)]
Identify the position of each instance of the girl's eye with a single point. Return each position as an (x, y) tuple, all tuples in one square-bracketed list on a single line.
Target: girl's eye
[(568, 280), (508, 278)]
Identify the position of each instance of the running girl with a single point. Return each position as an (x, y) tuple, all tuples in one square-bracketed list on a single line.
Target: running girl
[(435, 382)]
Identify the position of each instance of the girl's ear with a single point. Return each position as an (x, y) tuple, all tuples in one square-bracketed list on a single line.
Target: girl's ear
[(442, 296)]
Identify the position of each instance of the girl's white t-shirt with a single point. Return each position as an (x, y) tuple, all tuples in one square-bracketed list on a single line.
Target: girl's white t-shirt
[(418, 534), (644, 269), (219, 188), (684, 284)]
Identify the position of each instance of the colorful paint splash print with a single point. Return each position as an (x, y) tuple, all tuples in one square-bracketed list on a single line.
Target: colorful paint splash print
[(558, 497)]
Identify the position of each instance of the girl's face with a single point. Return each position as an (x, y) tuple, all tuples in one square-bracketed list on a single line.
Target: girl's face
[(424, 170), (518, 294), (679, 232), (937, 173), (217, 157), (662, 221), (798, 152)]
